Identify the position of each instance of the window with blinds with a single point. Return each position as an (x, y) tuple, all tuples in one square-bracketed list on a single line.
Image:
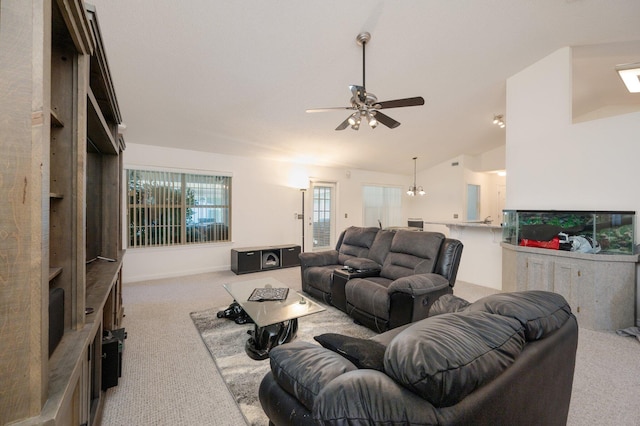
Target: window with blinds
[(170, 208), (322, 215), (381, 206)]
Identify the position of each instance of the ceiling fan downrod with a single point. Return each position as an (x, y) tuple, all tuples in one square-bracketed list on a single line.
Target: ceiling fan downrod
[(362, 39)]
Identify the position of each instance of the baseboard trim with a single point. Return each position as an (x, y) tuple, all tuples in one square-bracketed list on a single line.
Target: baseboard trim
[(181, 273)]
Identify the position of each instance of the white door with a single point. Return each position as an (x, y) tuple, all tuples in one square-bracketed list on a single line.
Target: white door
[(322, 216)]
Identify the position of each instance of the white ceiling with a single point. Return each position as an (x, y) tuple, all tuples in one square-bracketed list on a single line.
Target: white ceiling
[(235, 77)]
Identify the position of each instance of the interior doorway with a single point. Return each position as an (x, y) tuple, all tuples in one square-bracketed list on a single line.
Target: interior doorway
[(473, 202)]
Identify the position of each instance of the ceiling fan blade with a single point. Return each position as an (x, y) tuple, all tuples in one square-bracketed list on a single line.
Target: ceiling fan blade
[(344, 124), (397, 103), (328, 109), (386, 120)]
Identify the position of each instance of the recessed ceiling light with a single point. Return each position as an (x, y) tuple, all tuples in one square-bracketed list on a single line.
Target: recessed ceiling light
[(630, 75)]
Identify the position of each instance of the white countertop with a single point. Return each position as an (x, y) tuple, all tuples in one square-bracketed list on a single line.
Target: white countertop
[(467, 224)]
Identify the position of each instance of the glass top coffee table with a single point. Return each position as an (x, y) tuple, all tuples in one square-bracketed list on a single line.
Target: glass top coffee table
[(276, 321)]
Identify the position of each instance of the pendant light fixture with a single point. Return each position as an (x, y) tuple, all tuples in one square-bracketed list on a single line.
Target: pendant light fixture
[(413, 190)]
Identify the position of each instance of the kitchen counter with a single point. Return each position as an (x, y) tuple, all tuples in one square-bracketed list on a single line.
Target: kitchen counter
[(467, 224), (481, 261)]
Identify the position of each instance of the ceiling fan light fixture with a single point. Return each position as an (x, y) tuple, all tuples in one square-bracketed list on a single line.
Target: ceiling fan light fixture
[(371, 120), (355, 118), (630, 75)]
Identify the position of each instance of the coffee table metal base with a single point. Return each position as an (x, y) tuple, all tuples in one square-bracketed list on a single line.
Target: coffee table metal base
[(263, 339)]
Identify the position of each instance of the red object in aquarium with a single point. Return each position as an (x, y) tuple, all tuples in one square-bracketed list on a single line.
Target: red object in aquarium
[(554, 243)]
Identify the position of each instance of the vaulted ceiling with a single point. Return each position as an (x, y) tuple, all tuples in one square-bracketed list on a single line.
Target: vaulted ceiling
[(235, 77)]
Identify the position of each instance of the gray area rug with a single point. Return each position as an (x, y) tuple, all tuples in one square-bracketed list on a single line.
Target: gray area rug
[(225, 340)]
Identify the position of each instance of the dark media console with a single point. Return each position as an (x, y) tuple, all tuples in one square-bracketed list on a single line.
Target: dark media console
[(256, 259)]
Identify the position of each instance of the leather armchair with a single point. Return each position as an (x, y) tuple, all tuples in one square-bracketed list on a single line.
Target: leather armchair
[(507, 359)]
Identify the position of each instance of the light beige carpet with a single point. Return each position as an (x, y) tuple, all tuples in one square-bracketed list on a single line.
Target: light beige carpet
[(169, 377)]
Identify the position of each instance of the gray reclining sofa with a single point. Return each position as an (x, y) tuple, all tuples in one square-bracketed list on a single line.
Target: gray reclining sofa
[(383, 278)]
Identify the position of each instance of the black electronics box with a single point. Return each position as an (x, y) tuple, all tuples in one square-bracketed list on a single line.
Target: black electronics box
[(112, 348)]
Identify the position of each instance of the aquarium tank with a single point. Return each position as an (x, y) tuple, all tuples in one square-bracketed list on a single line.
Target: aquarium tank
[(608, 232)]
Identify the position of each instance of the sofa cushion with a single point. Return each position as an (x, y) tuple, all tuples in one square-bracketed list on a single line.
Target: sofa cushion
[(446, 304), (369, 295), (412, 253), (302, 369), (540, 312), (446, 357), (363, 353), (356, 242)]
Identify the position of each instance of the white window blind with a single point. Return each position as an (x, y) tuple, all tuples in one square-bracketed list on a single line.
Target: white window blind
[(382, 205), (171, 208)]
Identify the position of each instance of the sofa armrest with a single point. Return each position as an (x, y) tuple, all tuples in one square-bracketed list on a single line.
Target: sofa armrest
[(419, 284), (362, 264), (412, 297), (380, 400), (320, 258)]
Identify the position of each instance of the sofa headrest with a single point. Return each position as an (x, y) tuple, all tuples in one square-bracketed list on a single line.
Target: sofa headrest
[(381, 246), (356, 242), (412, 253), (446, 357), (540, 312), (420, 244)]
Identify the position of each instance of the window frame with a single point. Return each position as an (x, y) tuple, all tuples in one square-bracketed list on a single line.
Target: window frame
[(173, 234)]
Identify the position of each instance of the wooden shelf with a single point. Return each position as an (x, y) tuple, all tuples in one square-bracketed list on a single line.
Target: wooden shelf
[(55, 120), (101, 274), (98, 131), (56, 196), (54, 272)]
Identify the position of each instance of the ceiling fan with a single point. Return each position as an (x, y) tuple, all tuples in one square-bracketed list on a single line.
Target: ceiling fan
[(365, 105)]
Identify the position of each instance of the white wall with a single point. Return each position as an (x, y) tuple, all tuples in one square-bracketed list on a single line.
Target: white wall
[(554, 164), (445, 192), (446, 188), (264, 200)]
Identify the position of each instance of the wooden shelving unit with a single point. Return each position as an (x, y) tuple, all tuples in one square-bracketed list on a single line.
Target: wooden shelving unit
[(61, 151)]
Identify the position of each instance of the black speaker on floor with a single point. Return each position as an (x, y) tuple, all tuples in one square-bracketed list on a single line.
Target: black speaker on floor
[(112, 348)]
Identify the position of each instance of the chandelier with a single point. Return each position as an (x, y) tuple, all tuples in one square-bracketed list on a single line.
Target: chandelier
[(413, 190)]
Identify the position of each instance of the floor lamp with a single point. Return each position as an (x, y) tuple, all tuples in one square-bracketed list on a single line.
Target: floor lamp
[(302, 191)]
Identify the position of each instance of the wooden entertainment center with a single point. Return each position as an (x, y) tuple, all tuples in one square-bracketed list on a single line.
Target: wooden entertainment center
[(60, 219)]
